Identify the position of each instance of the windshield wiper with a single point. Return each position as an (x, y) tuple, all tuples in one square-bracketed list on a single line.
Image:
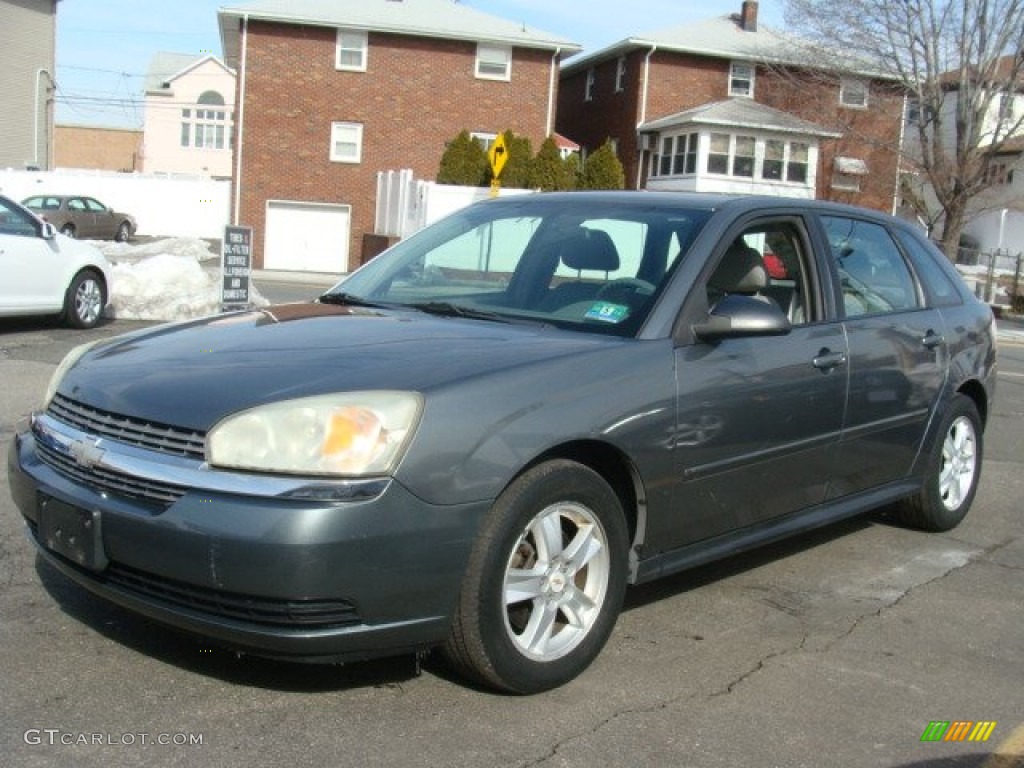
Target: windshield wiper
[(351, 300), (447, 309)]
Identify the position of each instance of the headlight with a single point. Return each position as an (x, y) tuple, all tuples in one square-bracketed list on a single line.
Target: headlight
[(69, 360), (347, 434)]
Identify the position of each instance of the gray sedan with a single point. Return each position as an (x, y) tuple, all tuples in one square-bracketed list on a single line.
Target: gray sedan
[(480, 438)]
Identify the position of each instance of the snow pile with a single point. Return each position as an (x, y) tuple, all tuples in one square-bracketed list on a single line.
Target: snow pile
[(170, 279)]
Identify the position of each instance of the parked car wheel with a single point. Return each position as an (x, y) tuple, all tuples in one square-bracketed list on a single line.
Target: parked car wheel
[(84, 301), (124, 231), (68, 230), (544, 583), (953, 472)]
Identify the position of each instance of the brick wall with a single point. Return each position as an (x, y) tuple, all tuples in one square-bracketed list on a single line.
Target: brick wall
[(107, 149), (416, 95)]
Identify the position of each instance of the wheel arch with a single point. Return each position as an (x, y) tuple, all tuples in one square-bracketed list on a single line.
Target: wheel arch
[(976, 392), (616, 468)]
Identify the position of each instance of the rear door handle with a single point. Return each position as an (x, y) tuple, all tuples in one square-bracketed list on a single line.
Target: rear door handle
[(932, 340), (827, 360)]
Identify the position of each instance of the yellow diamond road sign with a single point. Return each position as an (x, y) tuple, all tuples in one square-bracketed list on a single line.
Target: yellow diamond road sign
[(498, 155)]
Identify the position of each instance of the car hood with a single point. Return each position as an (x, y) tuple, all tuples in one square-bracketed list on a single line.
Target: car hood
[(193, 374)]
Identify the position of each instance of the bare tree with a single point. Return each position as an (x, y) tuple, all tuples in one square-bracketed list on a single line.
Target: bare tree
[(961, 63)]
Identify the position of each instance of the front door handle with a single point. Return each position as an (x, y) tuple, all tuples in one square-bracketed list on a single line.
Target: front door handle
[(932, 340), (826, 360)]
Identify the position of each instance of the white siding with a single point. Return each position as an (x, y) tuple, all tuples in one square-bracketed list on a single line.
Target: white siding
[(27, 39)]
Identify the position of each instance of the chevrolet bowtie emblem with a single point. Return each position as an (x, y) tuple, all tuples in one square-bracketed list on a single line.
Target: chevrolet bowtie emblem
[(87, 454)]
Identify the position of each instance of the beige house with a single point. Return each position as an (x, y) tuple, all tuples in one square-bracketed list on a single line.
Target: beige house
[(28, 41), (189, 114)]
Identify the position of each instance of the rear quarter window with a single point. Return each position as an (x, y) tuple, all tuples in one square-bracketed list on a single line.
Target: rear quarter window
[(939, 286)]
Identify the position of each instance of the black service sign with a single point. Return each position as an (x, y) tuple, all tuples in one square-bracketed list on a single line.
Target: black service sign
[(236, 266)]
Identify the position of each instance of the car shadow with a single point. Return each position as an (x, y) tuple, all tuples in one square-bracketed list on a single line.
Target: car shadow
[(734, 565), (200, 656)]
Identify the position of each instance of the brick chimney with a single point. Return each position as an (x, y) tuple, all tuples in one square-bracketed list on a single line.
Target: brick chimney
[(748, 16)]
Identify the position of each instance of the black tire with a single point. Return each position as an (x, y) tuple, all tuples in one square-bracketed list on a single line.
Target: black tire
[(124, 232), (953, 471), (85, 300), (68, 230), (536, 531)]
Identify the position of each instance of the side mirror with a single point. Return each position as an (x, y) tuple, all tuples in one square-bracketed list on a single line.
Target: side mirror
[(741, 316), (47, 231)]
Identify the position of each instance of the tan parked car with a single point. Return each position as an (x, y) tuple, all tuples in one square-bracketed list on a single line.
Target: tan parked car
[(82, 217)]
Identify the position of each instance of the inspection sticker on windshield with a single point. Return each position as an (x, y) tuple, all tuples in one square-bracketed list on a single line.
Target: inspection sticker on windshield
[(607, 313)]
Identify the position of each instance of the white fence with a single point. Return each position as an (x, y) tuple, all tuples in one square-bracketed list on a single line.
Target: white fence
[(162, 204), (406, 205)]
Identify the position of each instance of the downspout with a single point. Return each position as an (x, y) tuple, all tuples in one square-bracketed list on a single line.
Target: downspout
[(35, 122), (240, 122), (643, 110), (899, 155), (551, 92)]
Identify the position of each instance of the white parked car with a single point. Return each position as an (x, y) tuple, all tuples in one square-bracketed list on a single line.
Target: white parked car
[(46, 273)]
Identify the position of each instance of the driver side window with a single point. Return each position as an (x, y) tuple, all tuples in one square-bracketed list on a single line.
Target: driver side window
[(767, 261)]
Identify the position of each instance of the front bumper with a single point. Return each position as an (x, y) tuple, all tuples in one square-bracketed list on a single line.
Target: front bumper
[(269, 575)]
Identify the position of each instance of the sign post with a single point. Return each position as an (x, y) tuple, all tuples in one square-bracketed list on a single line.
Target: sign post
[(236, 268), (498, 156)]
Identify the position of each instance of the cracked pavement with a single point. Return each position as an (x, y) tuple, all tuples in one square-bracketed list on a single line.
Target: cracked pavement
[(833, 649)]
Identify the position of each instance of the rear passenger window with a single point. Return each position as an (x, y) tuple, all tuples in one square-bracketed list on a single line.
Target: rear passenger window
[(938, 285), (873, 276)]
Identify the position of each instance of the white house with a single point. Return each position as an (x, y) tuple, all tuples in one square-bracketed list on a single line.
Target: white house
[(189, 112)]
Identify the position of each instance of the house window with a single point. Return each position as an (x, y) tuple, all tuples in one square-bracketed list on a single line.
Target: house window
[(718, 153), (847, 173), (853, 93), (485, 140), (685, 158), (741, 79), (206, 126), (346, 142), (774, 164), (796, 168), (620, 74), (493, 62), (350, 50), (743, 157), (588, 88)]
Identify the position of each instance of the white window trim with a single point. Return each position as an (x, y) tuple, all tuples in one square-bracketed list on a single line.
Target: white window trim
[(481, 58), (751, 77), (485, 139), (357, 129), (620, 74), (844, 87), (363, 49)]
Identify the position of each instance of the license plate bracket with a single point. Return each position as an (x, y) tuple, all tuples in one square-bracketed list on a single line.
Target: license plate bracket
[(72, 532)]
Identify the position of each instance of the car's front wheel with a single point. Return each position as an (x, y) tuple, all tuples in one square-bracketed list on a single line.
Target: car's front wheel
[(953, 472), (124, 232), (84, 300), (545, 581), (68, 230)]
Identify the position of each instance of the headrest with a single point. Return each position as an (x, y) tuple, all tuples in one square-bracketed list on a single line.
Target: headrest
[(740, 271), (590, 249)]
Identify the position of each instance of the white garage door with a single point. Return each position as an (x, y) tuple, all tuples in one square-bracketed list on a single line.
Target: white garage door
[(307, 237)]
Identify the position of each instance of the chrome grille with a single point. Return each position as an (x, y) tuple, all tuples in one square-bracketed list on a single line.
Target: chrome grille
[(125, 429), (97, 478)]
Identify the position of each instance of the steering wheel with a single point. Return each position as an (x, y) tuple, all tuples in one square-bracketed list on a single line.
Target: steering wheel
[(625, 287)]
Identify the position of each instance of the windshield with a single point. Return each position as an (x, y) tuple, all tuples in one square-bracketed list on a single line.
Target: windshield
[(575, 261)]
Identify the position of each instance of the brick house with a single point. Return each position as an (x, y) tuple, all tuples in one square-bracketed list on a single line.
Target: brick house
[(331, 93), (723, 105)]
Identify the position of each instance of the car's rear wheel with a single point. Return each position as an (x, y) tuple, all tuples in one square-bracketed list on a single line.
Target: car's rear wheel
[(953, 472), (545, 581), (124, 231), (84, 300), (68, 230)]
